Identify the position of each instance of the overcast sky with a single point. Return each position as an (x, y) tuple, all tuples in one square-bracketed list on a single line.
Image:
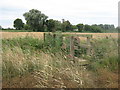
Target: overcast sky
[(76, 11)]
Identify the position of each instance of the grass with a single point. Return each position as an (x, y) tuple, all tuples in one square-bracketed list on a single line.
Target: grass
[(104, 62), (103, 31), (49, 66), (16, 30), (42, 63), (105, 53)]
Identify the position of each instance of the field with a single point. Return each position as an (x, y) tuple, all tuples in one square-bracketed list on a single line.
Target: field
[(21, 34), (40, 34), (31, 62)]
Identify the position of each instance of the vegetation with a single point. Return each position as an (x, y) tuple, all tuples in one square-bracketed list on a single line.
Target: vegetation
[(35, 19), (39, 22), (66, 26), (80, 27), (18, 24), (104, 62), (51, 25), (9, 30), (27, 27), (104, 56), (47, 62), (34, 58)]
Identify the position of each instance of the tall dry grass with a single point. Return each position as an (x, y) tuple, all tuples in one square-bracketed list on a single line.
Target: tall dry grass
[(51, 71), (22, 57), (29, 60)]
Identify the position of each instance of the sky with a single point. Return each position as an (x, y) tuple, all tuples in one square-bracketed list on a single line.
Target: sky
[(76, 11)]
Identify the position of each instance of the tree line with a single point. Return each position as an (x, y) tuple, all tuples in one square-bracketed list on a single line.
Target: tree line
[(39, 22)]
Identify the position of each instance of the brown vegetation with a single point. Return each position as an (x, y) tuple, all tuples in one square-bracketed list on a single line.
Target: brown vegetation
[(40, 34)]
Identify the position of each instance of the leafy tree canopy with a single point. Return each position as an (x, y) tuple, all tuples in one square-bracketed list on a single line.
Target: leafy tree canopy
[(66, 26), (18, 24), (35, 19), (80, 27)]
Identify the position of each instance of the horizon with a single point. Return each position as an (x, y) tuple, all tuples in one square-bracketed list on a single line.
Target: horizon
[(86, 12)]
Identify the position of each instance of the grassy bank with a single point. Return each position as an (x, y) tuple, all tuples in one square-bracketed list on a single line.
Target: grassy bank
[(24, 56), (31, 62)]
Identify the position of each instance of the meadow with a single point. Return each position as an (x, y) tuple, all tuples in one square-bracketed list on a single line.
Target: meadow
[(29, 61)]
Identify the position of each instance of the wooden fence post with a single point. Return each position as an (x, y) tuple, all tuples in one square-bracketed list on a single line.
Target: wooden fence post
[(61, 38), (44, 37), (88, 44), (72, 47), (54, 39)]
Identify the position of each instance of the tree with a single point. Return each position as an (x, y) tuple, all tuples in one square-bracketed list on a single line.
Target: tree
[(18, 24), (74, 28), (87, 28), (35, 19), (53, 25), (66, 26), (92, 28), (80, 27), (96, 29), (50, 25), (26, 27), (58, 25)]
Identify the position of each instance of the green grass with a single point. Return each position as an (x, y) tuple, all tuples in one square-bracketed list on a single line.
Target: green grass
[(103, 31), (16, 30), (105, 54)]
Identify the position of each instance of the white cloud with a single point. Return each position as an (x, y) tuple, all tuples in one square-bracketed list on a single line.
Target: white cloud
[(77, 11)]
